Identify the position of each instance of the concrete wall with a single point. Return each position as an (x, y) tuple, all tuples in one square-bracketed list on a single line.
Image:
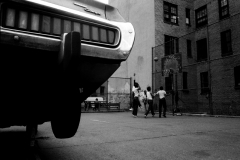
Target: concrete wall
[(141, 14)]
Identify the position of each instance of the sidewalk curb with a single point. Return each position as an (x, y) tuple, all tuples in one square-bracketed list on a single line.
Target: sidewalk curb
[(207, 115), (102, 111), (170, 113)]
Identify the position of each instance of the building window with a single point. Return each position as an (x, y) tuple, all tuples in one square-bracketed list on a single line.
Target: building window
[(189, 48), (102, 88), (201, 17), (185, 82), (202, 50), (188, 22), (204, 82), (223, 9), (171, 45), (237, 77), (226, 43), (168, 83), (170, 13)]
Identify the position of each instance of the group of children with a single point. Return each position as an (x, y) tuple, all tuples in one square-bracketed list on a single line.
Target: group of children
[(148, 99)]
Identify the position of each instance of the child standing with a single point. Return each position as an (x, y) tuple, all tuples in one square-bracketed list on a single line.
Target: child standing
[(150, 102)]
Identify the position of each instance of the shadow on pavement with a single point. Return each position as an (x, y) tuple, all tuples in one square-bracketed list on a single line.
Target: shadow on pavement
[(13, 145)]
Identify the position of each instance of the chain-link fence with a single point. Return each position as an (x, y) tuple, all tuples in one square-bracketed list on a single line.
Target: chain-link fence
[(116, 90), (119, 90), (208, 81)]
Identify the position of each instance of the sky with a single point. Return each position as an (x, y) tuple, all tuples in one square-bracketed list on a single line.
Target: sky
[(104, 1)]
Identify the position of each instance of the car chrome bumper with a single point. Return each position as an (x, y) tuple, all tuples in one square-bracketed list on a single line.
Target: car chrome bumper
[(45, 42)]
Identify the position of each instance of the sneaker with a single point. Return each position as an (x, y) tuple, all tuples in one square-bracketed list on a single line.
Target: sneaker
[(145, 116), (130, 109)]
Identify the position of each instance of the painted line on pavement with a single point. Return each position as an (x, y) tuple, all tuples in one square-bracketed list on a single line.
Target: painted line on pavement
[(95, 120)]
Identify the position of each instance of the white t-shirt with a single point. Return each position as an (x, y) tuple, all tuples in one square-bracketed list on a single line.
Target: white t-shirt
[(136, 92), (149, 96), (133, 88), (161, 94)]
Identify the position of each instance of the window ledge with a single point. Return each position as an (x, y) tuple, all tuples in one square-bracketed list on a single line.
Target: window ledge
[(201, 60), (201, 26), (176, 24), (224, 17), (227, 54)]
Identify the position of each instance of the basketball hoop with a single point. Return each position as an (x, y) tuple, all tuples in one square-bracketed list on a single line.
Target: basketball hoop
[(171, 64)]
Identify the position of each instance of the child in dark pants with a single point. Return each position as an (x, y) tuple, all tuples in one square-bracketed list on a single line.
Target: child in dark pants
[(136, 99), (162, 102), (150, 102)]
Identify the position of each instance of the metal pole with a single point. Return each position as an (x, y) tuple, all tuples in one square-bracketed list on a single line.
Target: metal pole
[(153, 72), (172, 79), (176, 91)]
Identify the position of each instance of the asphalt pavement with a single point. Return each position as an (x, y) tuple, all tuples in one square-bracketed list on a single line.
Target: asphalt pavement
[(117, 135), (120, 136)]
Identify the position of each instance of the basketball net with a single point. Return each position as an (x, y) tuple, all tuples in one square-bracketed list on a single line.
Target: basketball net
[(166, 72), (171, 64)]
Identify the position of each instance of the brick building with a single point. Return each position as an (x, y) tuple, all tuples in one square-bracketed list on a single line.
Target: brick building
[(206, 34)]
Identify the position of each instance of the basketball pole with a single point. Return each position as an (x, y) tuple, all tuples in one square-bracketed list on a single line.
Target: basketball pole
[(172, 77), (176, 91)]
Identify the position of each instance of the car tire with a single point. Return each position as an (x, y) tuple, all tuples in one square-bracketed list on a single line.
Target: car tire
[(67, 116)]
